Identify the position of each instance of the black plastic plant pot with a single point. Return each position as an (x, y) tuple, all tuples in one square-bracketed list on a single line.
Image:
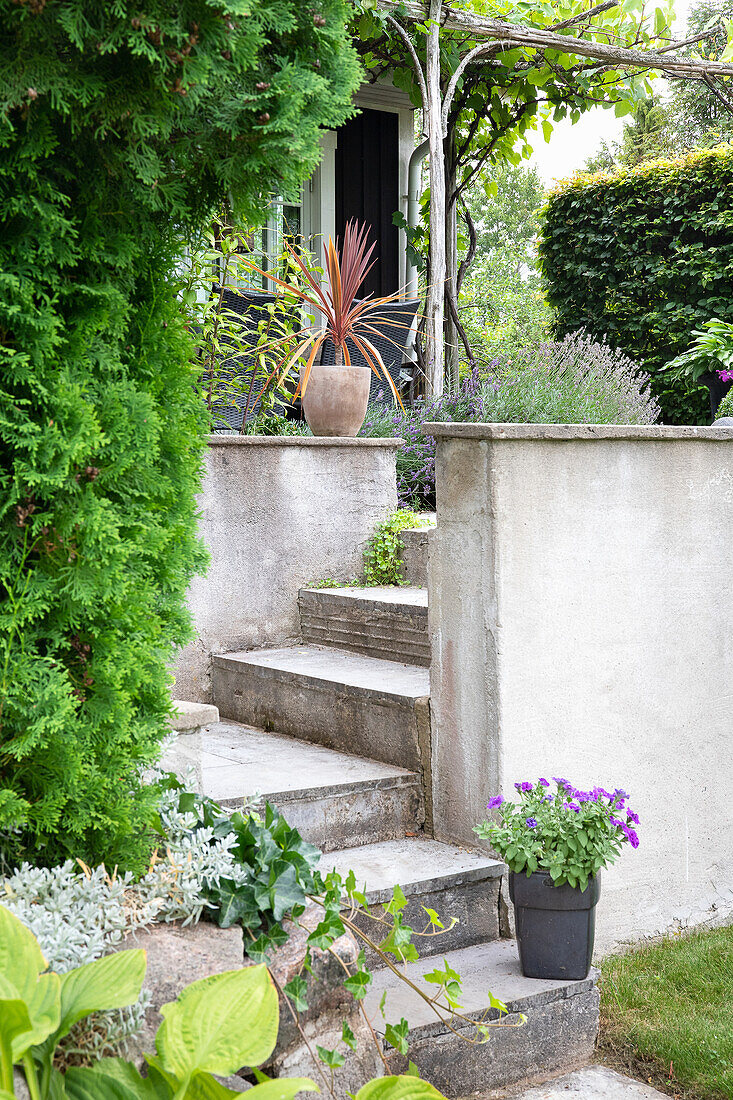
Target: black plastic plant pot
[(556, 925), (717, 388)]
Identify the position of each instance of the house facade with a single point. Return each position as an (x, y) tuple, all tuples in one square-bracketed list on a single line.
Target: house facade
[(363, 174)]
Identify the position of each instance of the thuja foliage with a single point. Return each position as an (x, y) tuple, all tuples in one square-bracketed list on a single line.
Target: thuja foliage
[(644, 257), (121, 125)]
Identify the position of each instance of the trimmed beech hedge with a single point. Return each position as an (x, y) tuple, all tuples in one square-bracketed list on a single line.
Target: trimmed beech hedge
[(643, 256)]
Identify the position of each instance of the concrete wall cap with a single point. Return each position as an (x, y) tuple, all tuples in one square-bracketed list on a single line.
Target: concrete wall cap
[(391, 442), (578, 432)]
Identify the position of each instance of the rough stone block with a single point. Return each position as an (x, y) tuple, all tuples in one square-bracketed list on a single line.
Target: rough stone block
[(177, 956), (192, 717)]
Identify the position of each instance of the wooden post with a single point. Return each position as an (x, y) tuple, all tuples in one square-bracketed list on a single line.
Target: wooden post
[(434, 305)]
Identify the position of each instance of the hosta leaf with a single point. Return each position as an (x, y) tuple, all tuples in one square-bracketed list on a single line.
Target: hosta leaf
[(84, 1083), (44, 1006), (219, 1024), (404, 1087), (121, 1073), (14, 1021), (285, 1088), (114, 981), (21, 959)]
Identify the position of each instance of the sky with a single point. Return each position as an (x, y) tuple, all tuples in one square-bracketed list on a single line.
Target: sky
[(570, 145)]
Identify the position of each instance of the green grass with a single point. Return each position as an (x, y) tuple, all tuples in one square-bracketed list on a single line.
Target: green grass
[(667, 1014)]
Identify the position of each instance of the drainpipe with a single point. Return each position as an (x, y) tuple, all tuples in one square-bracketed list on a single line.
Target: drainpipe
[(413, 207), (413, 214)]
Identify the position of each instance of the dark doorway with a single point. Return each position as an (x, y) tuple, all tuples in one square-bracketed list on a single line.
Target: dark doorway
[(367, 188)]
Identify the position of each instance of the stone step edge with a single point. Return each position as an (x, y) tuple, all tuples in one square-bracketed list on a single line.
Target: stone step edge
[(366, 602), (190, 717), (233, 662), (493, 869), (312, 794), (515, 1006)]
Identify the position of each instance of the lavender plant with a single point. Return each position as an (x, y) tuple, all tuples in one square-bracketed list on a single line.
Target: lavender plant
[(574, 381), (570, 833)]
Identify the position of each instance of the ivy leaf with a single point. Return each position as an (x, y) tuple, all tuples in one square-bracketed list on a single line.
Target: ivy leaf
[(347, 1036), (296, 990), (358, 984), (331, 1058), (396, 1035)]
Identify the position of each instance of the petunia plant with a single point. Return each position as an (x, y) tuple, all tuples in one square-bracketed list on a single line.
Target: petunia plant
[(570, 833)]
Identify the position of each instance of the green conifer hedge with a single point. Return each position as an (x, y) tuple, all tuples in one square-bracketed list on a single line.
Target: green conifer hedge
[(644, 256), (122, 124)]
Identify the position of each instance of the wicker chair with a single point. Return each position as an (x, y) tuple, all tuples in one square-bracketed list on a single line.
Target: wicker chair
[(391, 346), (243, 365)]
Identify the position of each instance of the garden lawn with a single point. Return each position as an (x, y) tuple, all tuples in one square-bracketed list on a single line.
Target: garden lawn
[(667, 1014)]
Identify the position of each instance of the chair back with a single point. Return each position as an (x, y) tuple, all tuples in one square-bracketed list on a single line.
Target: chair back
[(393, 321)]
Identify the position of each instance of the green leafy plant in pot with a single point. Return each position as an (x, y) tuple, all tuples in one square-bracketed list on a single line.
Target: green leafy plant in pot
[(335, 396), (708, 359), (555, 843)]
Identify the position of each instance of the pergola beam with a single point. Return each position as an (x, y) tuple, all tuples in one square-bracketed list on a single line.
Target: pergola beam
[(517, 35)]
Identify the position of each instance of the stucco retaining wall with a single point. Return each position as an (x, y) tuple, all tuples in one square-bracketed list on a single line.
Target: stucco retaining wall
[(276, 514), (581, 602)]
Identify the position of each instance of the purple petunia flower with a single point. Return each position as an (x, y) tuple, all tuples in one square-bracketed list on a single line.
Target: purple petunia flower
[(543, 782), (531, 822), (571, 806), (632, 838), (615, 821), (523, 788), (561, 782), (631, 816), (494, 802)]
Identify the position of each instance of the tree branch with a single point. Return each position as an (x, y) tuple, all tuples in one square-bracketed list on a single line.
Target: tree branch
[(413, 54), (514, 34)]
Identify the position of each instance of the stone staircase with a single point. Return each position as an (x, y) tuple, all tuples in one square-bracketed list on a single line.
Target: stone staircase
[(335, 733)]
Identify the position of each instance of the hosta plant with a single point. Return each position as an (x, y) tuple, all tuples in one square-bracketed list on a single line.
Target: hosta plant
[(563, 830), (711, 350)]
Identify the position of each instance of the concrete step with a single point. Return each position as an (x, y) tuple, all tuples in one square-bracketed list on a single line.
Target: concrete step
[(386, 622), (333, 799), (377, 709), (455, 882), (415, 554), (559, 1035)]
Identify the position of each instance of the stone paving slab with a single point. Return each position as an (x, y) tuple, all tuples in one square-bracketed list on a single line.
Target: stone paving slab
[(404, 595), (334, 667), (591, 1083), (418, 864), (489, 966), (233, 760)]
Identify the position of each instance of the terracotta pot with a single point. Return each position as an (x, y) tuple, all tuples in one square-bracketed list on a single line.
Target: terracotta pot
[(336, 398)]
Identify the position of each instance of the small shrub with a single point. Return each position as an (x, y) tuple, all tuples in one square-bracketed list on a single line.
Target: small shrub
[(573, 381), (382, 561)]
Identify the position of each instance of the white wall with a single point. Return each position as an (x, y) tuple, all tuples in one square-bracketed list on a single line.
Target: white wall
[(581, 600), (276, 514)]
